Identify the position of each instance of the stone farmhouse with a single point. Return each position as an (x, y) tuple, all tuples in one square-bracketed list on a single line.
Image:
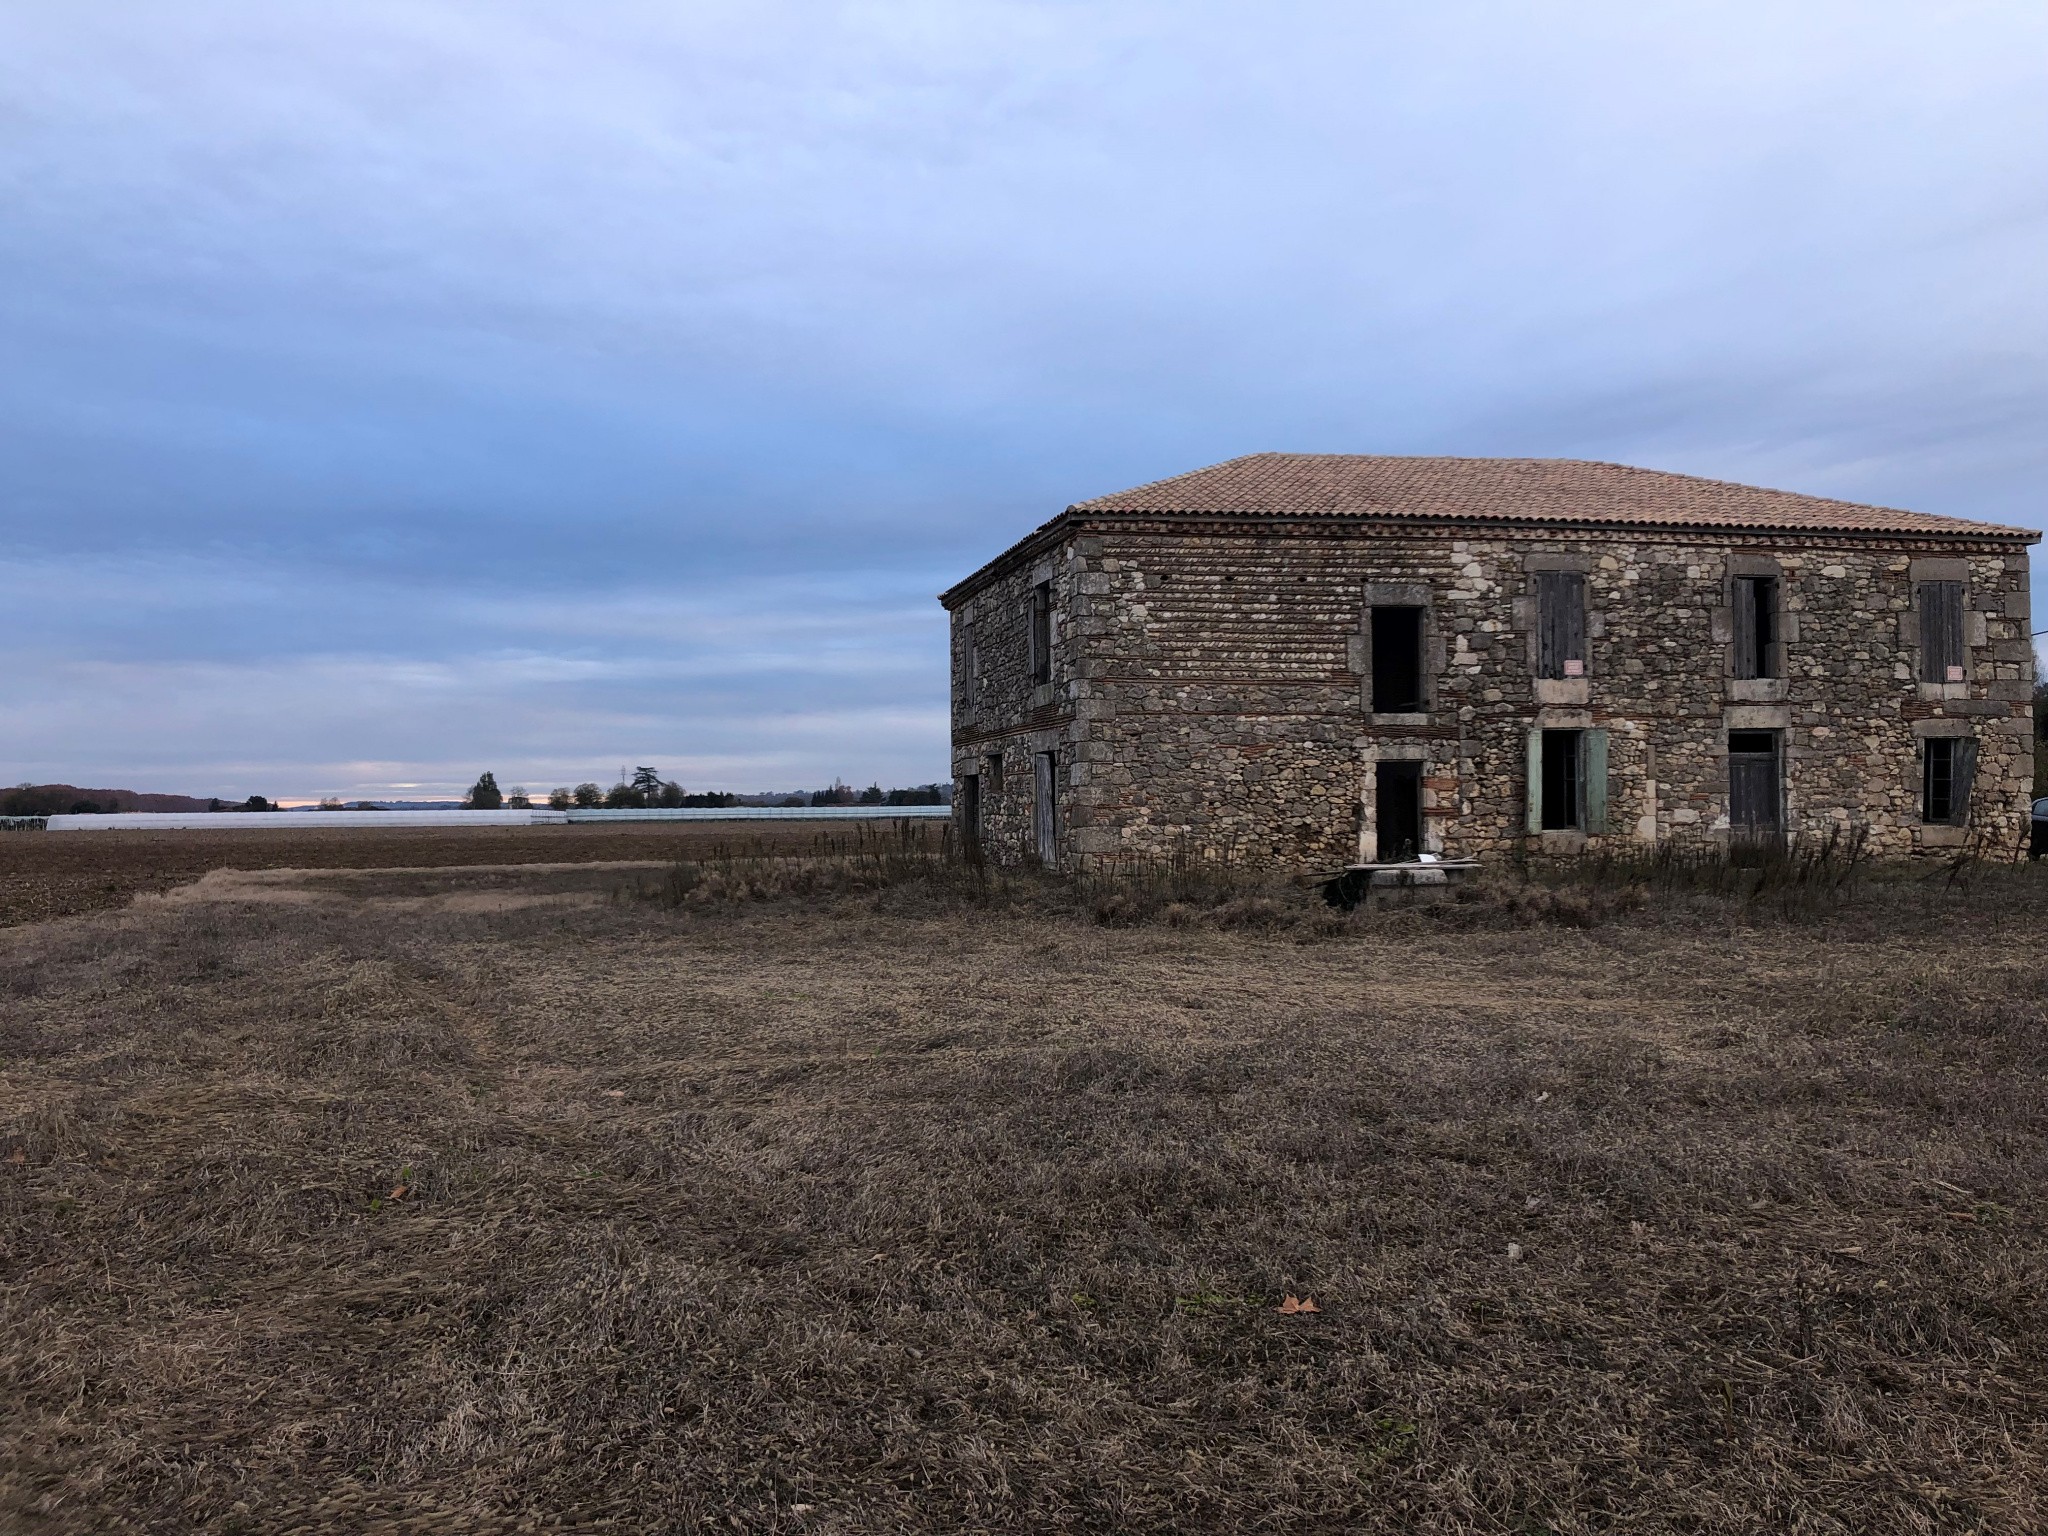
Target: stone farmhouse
[(1315, 660)]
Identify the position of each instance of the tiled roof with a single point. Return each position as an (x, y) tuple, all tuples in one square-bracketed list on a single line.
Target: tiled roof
[(1561, 491)]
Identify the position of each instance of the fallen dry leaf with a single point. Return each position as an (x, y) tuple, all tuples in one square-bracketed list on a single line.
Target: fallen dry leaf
[(1294, 1303), (400, 1192)]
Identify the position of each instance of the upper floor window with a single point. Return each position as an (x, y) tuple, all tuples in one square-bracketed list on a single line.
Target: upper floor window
[(1560, 624), (1941, 631), (1757, 650), (1041, 633), (1397, 684)]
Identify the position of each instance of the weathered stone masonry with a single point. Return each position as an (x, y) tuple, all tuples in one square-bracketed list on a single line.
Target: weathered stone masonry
[(1206, 682)]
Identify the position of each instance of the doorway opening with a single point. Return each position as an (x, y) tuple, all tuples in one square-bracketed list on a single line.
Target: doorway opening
[(1563, 782), (1044, 813), (1397, 822), (1756, 786)]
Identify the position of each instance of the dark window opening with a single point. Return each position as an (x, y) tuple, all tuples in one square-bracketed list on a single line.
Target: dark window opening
[(1397, 807), (1563, 800), (995, 775), (1560, 624), (1941, 631), (1756, 626), (1041, 633), (1756, 800), (1397, 661), (1947, 767)]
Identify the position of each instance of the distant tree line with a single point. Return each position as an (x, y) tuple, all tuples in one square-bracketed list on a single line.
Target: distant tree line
[(874, 794), (70, 800), (646, 789), (49, 800)]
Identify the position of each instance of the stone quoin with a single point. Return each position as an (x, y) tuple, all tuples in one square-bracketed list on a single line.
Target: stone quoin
[(1312, 660)]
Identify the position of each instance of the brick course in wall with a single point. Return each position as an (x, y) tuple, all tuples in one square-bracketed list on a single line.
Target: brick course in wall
[(1207, 686)]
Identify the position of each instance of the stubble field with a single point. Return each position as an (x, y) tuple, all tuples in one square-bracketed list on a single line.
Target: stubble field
[(492, 1199)]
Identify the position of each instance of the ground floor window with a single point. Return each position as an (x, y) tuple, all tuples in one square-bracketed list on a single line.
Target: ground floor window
[(1397, 818), (1756, 783), (1948, 765), (1568, 781)]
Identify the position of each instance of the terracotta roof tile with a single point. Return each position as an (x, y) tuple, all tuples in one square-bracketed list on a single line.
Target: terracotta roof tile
[(1558, 491)]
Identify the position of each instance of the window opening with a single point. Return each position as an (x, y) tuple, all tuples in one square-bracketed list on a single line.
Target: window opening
[(1947, 768), (1397, 661), (1397, 805), (1756, 626), (1041, 633), (1941, 631), (1756, 800), (1560, 624), (1563, 781)]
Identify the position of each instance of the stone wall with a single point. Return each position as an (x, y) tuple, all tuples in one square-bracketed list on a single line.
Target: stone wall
[(1209, 687), (1002, 720)]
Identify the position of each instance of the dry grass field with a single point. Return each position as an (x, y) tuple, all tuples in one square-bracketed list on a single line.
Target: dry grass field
[(45, 875), (590, 1198)]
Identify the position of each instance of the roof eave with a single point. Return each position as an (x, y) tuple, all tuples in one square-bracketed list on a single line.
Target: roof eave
[(1082, 514), (1986, 532), (1026, 548)]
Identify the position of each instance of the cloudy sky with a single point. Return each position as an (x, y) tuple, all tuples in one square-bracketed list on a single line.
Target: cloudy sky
[(403, 388)]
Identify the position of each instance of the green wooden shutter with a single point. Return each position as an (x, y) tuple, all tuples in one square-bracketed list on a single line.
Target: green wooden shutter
[(1536, 780), (1596, 781)]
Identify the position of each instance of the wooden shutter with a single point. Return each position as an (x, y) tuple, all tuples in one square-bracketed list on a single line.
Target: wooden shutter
[(1962, 777), (1941, 629), (1536, 780), (1560, 621), (1594, 745), (1770, 630), (1044, 826), (1746, 659), (1041, 633)]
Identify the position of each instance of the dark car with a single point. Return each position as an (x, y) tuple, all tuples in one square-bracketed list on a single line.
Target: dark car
[(2039, 847)]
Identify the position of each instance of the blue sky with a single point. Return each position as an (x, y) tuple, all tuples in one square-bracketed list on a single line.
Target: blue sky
[(404, 388)]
